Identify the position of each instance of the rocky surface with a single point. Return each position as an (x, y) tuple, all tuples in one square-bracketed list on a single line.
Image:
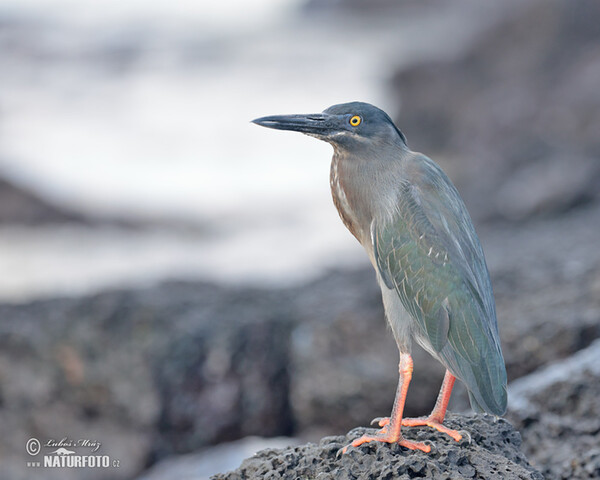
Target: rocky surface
[(515, 116), (493, 452), (20, 206), (147, 373), (221, 458), (556, 409)]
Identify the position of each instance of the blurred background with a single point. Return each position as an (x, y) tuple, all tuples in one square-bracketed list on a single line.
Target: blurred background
[(175, 279)]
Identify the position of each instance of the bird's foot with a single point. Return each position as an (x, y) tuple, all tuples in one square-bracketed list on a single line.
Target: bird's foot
[(385, 437), (433, 423), (381, 421), (421, 421)]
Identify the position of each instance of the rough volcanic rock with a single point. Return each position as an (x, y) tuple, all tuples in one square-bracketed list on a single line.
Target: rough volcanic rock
[(557, 411), (493, 452), (516, 115), (210, 461), (147, 373)]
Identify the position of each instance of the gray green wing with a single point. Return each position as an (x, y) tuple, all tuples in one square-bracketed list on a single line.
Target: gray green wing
[(430, 254)]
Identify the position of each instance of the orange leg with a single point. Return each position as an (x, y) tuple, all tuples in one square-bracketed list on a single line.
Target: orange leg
[(390, 433), (438, 413)]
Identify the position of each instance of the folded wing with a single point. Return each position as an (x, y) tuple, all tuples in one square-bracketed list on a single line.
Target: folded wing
[(428, 251)]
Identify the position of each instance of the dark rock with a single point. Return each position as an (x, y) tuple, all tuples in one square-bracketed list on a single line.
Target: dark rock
[(558, 413), (492, 453), (514, 117), (555, 184), (362, 6), (210, 461), (227, 376), (378, 7), (18, 205), (147, 373), (23, 206), (546, 282)]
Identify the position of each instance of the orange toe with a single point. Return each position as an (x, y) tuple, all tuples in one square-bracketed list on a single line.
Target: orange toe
[(385, 437), (429, 422)]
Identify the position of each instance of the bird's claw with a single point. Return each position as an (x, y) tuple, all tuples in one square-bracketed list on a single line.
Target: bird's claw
[(466, 437), (433, 423), (381, 421)]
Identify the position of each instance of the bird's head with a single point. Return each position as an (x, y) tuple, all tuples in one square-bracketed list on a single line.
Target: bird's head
[(346, 126)]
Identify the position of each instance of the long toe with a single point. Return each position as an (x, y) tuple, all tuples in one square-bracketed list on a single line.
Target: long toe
[(383, 436), (429, 422)]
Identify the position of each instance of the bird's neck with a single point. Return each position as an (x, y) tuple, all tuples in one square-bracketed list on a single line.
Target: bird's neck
[(365, 186), (350, 183)]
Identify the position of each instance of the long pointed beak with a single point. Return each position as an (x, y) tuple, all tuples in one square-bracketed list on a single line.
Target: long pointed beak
[(314, 123)]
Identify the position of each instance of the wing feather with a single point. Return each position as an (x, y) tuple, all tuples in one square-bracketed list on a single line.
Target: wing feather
[(429, 253)]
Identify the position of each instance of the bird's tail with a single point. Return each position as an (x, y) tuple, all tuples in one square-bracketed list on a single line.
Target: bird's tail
[(488, 396), (484, 376)]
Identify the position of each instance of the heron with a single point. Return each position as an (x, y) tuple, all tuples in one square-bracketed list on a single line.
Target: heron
[(429, 263)]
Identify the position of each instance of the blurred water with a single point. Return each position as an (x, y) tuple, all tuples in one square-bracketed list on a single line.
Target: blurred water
[(142, 109)]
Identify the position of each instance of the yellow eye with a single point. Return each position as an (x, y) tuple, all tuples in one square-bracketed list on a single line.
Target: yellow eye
[(355, 121)]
